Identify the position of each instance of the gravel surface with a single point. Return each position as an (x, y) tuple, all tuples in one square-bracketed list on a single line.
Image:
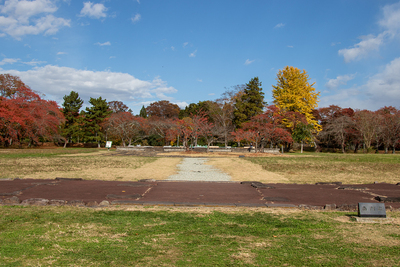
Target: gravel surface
[(194, 169)]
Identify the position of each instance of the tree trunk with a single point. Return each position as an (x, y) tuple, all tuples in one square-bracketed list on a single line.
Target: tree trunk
[(355, 148), (301, 146), (66, 142)]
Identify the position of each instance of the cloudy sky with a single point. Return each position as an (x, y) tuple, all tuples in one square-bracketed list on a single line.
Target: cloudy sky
[(141, 51)]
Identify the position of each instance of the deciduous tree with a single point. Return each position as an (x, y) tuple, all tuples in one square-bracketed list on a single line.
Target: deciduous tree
[(390, 124), (294, 93), (10, 84), (125, 127), (366, 123), (117, 106), (163, 109), (25, 116), (221, 113)]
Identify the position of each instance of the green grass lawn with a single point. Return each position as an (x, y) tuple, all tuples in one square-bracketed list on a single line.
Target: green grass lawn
[(162, 236), (65, 236)]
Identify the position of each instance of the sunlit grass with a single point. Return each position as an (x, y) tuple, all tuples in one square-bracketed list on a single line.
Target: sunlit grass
[(71, 163), (33, 236), (325, 167)]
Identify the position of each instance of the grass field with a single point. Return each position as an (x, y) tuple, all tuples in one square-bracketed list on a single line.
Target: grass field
[(287, 168), (65, 236), (329, 167), (91, 164), (167, 236)]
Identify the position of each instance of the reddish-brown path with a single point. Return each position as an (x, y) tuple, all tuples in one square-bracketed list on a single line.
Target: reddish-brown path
[(177, 193)]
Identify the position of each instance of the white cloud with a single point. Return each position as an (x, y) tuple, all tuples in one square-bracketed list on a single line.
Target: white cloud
[(193, 54), (339, 80), (181, 104), (55, 82), (248, 62), (23, 17), (23, 10), (362, 49), (136, 18), (382, 89), (160, 88), (185, 44), (280, 25), (391, 18), (34, 62), (103, 44), (390, 23), (61, 53), (92, 10), (9, 61)]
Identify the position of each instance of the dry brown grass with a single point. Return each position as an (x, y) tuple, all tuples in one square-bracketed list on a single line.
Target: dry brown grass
[(262, 167), (89, 166), (349, 168), (242, 170), (219, 154)]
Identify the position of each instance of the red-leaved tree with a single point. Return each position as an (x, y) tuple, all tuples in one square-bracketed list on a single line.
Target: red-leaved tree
[(24, 116)]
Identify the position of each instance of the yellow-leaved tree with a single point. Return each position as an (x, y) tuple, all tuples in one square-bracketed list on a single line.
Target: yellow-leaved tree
[(294, 93)]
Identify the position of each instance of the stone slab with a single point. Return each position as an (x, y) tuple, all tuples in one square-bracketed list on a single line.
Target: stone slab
[(277, 205), (126, 202), (371, 210), (114, 196), (35, 201), (373, 220), (188, 204), (276, 199)]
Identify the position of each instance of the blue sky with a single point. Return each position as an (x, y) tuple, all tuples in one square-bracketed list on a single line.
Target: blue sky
[(141, 51)]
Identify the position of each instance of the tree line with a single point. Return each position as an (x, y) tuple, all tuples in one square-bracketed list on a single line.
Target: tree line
[(239, 117)]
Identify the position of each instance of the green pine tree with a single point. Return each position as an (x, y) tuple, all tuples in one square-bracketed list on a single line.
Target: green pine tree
[(71, 106), (94, 116), (249, 104), (143, 112)]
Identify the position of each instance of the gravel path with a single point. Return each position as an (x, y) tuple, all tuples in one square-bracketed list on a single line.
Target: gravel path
[(194, 169)]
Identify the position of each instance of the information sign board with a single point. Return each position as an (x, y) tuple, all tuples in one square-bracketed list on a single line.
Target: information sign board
[(108, 144), (371, 210)]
